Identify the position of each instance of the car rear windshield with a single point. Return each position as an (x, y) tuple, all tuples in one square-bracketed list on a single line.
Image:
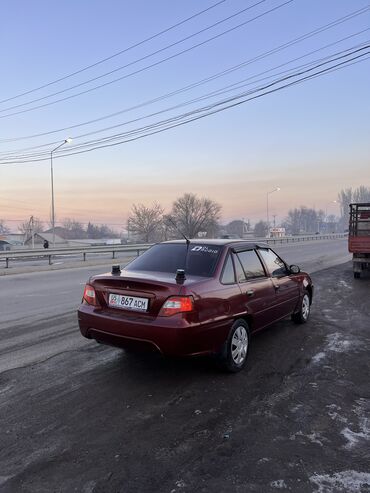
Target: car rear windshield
[(168, 257)]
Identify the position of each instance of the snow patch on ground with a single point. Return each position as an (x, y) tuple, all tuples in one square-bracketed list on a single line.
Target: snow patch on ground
[(89, 487), (312, 437), (336, 343), (345, 481), (334, 413), (4, 479), (354, 437), (344, 284), (279, 483), (318, 357), (6, 389), (296, 408), (180, 483)]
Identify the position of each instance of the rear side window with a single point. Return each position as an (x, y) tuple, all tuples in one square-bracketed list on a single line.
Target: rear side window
[(251, 264), (240, 275), (228, 274), (274, 263), (200, 260)]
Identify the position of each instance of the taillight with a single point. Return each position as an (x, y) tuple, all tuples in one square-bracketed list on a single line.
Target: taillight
[(176, 304), (89, 296)]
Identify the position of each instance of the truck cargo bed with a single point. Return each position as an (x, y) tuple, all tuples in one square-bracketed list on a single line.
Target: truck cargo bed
[(359, 237)]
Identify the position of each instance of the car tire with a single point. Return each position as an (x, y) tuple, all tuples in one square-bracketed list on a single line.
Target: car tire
[(234, 354), (302, 316)]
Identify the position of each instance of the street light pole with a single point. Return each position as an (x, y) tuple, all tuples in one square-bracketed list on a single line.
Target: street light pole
[(267, 208), (66, 141)]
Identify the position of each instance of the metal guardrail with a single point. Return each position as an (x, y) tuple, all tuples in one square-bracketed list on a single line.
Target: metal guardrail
[(294, 239), (49, 253), (137, 248)]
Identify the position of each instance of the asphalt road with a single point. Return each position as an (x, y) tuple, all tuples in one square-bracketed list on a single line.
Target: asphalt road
[(316, 250), (76, 416)]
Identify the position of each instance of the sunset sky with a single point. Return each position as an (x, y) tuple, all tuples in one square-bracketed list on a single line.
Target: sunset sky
[(311, 139)]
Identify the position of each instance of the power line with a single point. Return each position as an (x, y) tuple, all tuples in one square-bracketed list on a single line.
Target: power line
[(228, 88), (209, 109), (331, 69), (205, 80), (99, 62), (134, 62), (147, 67), (212, 94), (206, 108), (348, 17), (164, 122)]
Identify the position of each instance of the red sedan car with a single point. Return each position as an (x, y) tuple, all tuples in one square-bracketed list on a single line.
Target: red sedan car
[(187, 298)]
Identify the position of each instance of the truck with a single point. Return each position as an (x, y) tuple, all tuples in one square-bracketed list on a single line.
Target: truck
[(359, 237)]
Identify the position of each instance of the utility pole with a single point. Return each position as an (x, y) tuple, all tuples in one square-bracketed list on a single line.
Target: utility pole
[(32, 231), (66, 141), (274, 216), (277, 189)]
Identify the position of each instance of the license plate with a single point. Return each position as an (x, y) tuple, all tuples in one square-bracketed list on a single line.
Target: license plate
[(128, 302)]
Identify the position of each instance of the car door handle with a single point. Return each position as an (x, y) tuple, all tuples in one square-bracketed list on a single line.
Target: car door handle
[(250, 292)]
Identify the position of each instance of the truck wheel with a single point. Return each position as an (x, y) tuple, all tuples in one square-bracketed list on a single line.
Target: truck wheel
[(357, 275)]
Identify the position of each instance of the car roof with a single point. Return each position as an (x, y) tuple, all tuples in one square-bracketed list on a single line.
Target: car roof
[(239, 243)]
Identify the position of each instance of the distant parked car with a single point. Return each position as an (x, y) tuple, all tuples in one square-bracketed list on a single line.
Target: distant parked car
[(205, 297)]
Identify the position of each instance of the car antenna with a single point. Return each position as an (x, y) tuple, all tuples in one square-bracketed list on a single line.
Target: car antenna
[(179, 230), (180, 273)]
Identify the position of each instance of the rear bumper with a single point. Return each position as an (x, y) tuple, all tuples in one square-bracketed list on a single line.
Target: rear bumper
[(172, 336)]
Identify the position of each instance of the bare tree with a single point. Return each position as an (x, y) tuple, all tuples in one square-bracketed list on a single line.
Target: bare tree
[(361, 194), (236, 227), (4, 230), (146, 222), (261, 229), (73, 229), (100, 231), (33, 224), (193, 215), (304, 220), (346, 196)]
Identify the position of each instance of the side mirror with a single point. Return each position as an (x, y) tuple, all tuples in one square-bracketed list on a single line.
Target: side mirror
[(294, 269)]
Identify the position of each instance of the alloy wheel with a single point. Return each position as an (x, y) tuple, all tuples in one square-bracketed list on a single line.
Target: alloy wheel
[(305, 307), (239, 345)]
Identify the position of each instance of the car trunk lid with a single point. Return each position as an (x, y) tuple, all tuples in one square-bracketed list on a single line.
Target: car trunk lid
[(135, 293)]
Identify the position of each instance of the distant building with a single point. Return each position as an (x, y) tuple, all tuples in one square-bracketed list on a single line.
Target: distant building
[(277, 232), (11, 241), (5, 245), (39, 238)]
